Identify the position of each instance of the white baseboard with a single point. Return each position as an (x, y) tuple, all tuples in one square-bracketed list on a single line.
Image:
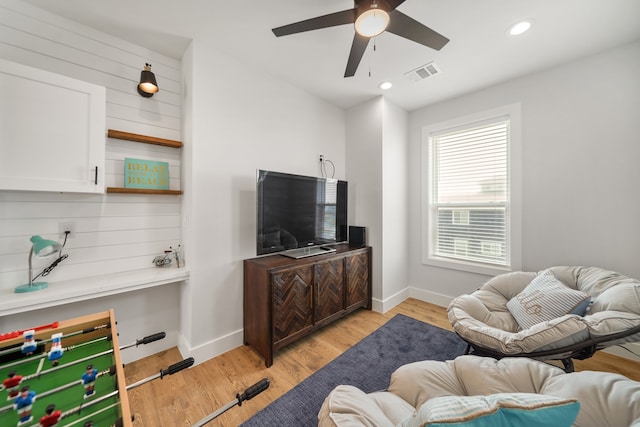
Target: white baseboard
[(430, 297), (382, 306), (211, 349)]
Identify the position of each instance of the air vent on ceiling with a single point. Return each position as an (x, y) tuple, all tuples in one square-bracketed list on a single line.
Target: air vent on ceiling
[(421, 73)]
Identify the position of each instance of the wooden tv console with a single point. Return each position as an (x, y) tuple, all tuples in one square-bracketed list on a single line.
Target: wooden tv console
[(286, 299)]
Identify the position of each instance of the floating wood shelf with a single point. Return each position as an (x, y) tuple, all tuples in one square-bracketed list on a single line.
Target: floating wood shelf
[(118, 134), (142, 191), (128, 136)]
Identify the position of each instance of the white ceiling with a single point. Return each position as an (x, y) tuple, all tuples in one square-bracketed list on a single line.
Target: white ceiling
[(479, 54)]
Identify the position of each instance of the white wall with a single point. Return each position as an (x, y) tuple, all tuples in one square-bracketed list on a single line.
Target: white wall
[(114, 233), (241, 121), (580, 133), (364, 157), (395, 201), (377, 157)]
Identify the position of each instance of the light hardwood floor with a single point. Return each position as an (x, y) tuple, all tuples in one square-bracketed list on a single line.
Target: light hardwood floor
[(188, 396)]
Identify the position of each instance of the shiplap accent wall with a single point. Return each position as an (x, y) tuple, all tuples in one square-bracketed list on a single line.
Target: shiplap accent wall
[(114, 233)]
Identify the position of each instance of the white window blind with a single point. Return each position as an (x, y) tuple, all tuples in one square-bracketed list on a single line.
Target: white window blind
[(470, 193)]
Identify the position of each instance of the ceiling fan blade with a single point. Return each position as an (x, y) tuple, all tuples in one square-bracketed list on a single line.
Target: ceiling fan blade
[(407, 27), (358, 47), (324, 21), (394, 3)]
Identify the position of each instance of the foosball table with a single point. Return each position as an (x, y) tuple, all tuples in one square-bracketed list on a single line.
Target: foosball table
[(68, 373)]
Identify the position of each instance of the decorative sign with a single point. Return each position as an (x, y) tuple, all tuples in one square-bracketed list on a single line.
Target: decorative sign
[(146, 174)]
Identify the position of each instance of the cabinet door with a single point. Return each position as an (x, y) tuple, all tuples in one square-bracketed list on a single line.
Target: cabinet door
[(357, 279), (52, 131), (329, 280), (292, 302)]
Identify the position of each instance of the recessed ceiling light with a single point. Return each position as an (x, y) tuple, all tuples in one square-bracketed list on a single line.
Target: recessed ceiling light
[(385, 85), (519, 28)]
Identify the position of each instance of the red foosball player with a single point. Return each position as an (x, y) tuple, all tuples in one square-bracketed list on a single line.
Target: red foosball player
[(51, 418), (12, 384)]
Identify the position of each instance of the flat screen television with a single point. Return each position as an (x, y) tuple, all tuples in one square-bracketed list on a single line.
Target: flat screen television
[(299, 212)]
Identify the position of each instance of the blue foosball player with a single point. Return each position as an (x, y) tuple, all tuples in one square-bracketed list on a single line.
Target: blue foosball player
[(23, 404), (56, 348), (29, 345), (89, 381)]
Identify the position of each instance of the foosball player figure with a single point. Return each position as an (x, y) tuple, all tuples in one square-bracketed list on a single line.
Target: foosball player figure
[(56, 349), (23, 404), (12, 384), (51, 417), (29, 345), (89, 381)]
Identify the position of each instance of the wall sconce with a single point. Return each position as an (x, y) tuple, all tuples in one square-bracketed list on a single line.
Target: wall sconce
[(42, 248), (148, 85)]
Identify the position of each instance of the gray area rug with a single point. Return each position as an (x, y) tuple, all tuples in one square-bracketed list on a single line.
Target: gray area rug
[(367, 365)]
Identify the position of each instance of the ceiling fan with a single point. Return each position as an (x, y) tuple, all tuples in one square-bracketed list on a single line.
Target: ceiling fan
[(370, 18)]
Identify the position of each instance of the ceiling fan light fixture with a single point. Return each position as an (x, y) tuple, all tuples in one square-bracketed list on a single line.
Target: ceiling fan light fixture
[(372, 21)]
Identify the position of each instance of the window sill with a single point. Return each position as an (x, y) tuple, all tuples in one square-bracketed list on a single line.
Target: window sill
[(70, 291), (485, 269)]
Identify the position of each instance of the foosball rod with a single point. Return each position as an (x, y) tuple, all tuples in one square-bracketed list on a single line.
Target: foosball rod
[(69, 335), (45, 355), (249, 393), (81, 420), (183, 364), (176, 367), (145, 340)]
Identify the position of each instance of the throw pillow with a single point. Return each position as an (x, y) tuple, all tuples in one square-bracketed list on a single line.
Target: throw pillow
[(495, 410), (546, 298)]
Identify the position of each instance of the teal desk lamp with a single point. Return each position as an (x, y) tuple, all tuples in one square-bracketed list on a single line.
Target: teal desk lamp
[(42, 248)]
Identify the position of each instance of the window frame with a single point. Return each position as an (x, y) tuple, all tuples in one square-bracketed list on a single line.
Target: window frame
[(512, 112)]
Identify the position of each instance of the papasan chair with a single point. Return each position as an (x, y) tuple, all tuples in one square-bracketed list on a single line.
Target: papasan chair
[(561, 313)]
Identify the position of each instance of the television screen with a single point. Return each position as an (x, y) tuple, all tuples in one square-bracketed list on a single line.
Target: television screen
[(296, 211)]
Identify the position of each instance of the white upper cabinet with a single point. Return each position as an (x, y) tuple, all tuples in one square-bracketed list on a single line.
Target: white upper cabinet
[(52, 131)]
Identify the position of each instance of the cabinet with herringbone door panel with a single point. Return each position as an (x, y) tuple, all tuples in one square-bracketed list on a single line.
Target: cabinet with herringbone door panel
[(329, 288), (357, 280), (292, 302), (286, 299)]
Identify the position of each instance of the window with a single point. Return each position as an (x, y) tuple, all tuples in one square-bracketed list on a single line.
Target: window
[(326, 201), (460, 217), (470, 220)]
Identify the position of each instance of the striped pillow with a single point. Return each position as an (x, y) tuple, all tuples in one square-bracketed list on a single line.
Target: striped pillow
[(495, 410), (546, 298)]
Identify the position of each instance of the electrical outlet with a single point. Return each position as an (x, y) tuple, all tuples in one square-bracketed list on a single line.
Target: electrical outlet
[(68, 227), (321, 158)]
